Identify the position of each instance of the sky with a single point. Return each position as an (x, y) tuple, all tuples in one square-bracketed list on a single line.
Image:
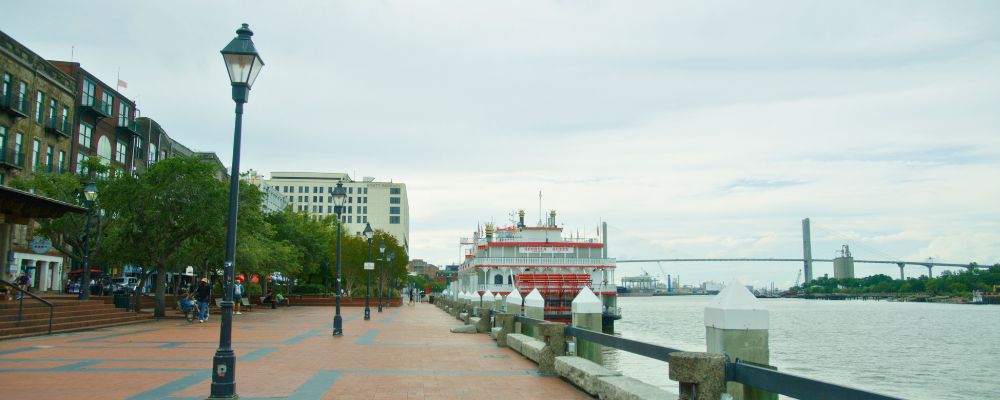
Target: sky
[(693, 128)]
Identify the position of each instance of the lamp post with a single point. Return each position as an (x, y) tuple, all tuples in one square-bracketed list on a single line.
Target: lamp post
[(368, 288), (89, 195), (388, 270), (381, 274), (339, 196), (243, 64)]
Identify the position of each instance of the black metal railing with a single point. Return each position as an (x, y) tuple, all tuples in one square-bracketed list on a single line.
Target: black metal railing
[(12, 157), (20, 307), (16, 103), (97, 107), (58, 125), (738, 371)]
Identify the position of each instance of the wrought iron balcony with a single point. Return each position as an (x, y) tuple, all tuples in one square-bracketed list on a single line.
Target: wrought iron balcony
[(129, 127), (58, 126), (97, 108), (15, 104), (12, 158)]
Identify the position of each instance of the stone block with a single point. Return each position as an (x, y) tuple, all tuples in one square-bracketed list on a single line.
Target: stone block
[(532, 349), (625, 388), (514, 341), (582, 372), (474, 321), (464, 329), (464, 317), (495, 332)]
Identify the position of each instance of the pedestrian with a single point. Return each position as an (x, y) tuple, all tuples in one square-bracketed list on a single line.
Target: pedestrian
[(23, 282), (238, 294), (204, 296)]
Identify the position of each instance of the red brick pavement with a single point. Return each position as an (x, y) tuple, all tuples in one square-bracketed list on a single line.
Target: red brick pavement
[(288, 353)]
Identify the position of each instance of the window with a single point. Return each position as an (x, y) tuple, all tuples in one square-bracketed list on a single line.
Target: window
[(62, 161), (291, 199), (349, 219), (86, 131), (64, 122), (394, 200), (48, 158), (350, 200), (329, 209), (89, 91), (394, 190), (39, 107), (18, 151), (53, 106), (394, 219), (104, 149), (22, 96), (80, 166), (120, 149), (394, 210), (5, 88), (366, 210), (108, 102), (498, 279), (123, 113), (366, 219), (3, 141), (350, 210), (138, 147), (350, 190), (152, 154)]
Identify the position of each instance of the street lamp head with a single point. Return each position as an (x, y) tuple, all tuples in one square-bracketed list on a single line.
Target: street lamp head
[(242, 60), (390, 255), (90, 191), (381, 248), (339, 195), (368, 232)]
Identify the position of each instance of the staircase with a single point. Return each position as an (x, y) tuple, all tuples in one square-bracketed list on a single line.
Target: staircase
[(68, 315)]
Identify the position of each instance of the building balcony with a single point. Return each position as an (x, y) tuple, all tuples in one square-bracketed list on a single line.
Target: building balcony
[(497, 288), (97, 108), (129, 128), (12, 159), (14, 104), (58, 126)]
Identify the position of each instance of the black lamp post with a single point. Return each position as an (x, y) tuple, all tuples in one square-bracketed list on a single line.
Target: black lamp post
[(381, 274), (243, 64), (339, 196), (388, 270), (368, 288), (89, 195)]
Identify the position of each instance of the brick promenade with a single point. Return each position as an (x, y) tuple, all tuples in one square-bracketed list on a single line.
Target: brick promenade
[(288, 353)]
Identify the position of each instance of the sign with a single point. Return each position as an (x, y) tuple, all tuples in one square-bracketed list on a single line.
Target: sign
[(369, 265), (545, 250), (40, 245)]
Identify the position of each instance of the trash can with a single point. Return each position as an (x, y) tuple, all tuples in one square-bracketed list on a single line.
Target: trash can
[(121, 300)]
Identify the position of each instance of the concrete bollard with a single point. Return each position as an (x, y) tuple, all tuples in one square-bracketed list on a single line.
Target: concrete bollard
[(701, 376), (534, 307), (486, 300), (498, 302), (737, 324), (587, 314), (506, 323), (513, 306), (484, 321), (552, 333)]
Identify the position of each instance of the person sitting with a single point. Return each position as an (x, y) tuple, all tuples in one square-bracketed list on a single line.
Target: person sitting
[(282, 300), (269, 298), (188, 303)]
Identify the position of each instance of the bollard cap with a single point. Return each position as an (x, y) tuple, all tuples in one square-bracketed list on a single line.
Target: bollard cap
[(487, 295), (534, 299), (736, 308), (497, 297), (586, 302), (514, 297)]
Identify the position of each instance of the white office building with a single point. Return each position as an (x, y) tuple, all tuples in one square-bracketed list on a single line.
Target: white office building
[(274, 200), (382, 204)]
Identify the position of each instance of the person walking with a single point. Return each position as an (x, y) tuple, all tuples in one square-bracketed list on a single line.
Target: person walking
[(204, 296), (238, 294)]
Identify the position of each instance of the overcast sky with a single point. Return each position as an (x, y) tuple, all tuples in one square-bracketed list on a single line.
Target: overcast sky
[(695, 129)]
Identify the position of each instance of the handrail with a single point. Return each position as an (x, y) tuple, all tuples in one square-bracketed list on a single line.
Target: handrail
[(20, 307), (738, 371)]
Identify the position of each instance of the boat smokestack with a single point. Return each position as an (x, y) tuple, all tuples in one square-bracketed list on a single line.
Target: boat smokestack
[(520, 214), (489, 232), (604, 236), (552, 219)]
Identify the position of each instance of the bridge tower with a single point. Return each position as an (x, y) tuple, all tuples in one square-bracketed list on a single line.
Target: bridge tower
[(807, 252)]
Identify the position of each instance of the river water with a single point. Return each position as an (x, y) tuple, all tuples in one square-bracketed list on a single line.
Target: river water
[(909, 350)]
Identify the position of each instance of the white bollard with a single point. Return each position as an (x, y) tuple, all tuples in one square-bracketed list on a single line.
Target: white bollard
[(587, 314), (737, 324), (534, 307)]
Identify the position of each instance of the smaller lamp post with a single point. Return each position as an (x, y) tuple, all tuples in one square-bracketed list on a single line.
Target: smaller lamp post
[(381, 273), (368, 288), (89, 195), (339, 196), (388, 264)]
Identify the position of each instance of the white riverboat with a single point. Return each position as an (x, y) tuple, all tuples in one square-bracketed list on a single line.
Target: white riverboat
[(524, 258)]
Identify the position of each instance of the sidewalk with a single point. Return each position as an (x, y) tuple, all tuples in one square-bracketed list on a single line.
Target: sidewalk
[(288, 353)]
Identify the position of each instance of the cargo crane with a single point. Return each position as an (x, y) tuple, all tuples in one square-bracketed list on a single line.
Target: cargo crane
[(797, 277)]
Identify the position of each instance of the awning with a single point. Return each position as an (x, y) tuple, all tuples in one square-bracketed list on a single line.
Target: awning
[(80, 271), (18, 207)]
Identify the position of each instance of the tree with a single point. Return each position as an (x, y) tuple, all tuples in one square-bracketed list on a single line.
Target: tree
[(175, 200)]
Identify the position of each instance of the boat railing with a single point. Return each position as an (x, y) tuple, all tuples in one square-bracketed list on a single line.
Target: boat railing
[(538, 261)]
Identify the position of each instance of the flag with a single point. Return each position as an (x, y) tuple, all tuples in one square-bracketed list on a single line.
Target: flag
[(122, 84)]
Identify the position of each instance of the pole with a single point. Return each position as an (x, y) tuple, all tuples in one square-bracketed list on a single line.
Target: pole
[(338, 322), (368, 287), (224, 362), (85, 277), (381, 280)]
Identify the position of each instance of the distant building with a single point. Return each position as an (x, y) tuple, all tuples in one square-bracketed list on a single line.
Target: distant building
[(382, 204), (422, 268), (273, 200)]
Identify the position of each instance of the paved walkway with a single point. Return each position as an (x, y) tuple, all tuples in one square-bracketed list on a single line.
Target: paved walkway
[(288, 353)]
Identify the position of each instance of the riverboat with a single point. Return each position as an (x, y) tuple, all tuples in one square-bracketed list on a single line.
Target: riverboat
[(525, 258)]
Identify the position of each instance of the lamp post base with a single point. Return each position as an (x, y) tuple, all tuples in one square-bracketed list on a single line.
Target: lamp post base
[(368, 313), (223, 382), (338, 326)]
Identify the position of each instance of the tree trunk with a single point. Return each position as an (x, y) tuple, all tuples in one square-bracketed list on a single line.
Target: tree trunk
[(161, 291), (137, 295)]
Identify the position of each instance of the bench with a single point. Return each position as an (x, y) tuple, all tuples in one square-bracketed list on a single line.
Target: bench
[(245, 302), (263, 300)]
